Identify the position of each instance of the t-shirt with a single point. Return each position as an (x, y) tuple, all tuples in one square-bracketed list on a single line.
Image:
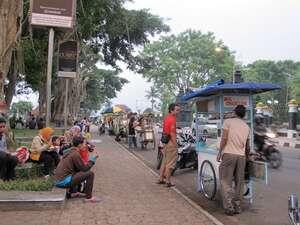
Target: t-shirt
[(238, 133), (169, 124), (3, 144)]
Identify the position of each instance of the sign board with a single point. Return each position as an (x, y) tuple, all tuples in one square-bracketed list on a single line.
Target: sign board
[(53, 13), (67, 59), (233, 101)]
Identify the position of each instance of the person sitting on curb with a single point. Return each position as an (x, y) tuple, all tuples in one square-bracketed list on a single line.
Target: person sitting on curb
[(8, 162), (72, 171), (42, 153)]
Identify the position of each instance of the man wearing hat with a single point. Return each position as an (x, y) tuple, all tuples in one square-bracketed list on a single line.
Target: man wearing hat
[(234, 147)]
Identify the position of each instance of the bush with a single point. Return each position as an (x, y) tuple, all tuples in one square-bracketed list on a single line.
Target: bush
[(29, 171), (37, 184)]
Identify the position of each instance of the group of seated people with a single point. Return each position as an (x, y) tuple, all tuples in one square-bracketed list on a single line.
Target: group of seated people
[(67, 158)]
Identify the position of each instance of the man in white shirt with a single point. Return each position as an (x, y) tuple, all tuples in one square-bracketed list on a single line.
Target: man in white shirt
[(233, 150)]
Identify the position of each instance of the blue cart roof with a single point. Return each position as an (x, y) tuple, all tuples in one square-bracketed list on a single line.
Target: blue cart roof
[(220, 86)]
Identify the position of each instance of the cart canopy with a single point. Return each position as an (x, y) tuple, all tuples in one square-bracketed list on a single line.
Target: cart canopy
[(221, 87)]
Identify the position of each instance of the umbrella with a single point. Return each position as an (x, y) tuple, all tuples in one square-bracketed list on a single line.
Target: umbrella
[(123, 108), (116, 109)]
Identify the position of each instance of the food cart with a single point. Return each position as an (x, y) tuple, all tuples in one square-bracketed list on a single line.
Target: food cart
[(145, 130), (214, 104)]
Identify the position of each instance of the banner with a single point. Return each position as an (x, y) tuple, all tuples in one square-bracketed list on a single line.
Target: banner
[(67, 59), (53, 13), (233, 101)]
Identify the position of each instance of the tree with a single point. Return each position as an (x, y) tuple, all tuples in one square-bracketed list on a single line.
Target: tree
[(187, 60), (21, 108), (296, 85), (102, 85), (10, 17), (106, 31), (280, 72), (152, 94)]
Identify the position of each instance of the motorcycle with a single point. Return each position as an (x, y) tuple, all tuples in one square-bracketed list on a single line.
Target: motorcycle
[(267, 151), (187, 156), (293, 210)]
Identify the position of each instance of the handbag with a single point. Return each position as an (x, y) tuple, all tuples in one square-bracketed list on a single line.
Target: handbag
[(165, 138)]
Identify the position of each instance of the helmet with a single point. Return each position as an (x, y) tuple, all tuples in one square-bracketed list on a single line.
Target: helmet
[(258, 118)]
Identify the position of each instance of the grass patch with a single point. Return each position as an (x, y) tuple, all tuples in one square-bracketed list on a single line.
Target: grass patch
[(25, 132), (32, 133), (36, 184)]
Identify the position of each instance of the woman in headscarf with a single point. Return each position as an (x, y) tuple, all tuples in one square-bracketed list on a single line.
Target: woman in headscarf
[(41, 152)]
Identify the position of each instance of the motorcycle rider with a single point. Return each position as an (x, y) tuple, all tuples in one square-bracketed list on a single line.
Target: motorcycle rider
[(259, 132)]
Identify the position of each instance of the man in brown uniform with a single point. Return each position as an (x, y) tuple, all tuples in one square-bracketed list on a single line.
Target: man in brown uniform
[(233, 150)]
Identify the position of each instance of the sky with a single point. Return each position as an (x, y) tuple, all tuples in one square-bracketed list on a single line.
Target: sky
[(254, 29)]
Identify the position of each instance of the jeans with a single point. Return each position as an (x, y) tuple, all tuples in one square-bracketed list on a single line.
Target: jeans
[(132, 141)]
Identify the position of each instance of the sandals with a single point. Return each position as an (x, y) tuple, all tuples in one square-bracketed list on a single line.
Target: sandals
[(77, 195), (169, 184), (161, 182), (93, 200)]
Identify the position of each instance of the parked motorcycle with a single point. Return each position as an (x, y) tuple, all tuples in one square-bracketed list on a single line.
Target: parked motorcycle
[(267, 151), (187, 156), (293, 210)]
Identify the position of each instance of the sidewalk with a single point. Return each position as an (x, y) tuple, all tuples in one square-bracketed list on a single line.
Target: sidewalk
[(130, 196)]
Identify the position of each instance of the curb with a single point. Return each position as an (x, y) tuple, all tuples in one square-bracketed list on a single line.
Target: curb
[(288, 144), (191, 202)]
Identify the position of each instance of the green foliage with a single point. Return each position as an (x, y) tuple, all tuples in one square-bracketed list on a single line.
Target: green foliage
[(29, 171), (106, 31), (21, 107), (37, 184), (187, 60), (296, 85), (282, 73), (152, 95), (102, 85)]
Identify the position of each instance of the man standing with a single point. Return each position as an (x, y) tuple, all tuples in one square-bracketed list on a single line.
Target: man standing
[(170, 153), (8, 162), (233, 150)]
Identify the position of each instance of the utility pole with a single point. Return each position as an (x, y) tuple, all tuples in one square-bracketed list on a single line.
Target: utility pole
[(49, 75)]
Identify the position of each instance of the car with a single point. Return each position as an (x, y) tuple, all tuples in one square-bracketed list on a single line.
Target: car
[(206, 129)]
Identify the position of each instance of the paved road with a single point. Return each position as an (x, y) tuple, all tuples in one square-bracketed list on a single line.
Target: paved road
[(270, 202)]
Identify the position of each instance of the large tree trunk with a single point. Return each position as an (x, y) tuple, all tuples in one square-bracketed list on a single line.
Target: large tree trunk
[(12, 75), (10, 17), (76, 94), (42, 99)]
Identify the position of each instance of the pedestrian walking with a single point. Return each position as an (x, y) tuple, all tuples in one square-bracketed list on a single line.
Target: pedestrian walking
[(170, 153), (234, 148), (131, 132)]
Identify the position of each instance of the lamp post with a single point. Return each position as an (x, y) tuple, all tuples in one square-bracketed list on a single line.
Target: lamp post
[(293, 111), (268, 111)]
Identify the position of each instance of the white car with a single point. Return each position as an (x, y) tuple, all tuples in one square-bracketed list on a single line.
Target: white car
[(209, 130)]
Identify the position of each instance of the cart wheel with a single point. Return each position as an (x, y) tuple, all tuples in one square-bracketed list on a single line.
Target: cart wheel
[(159, 159), (208, 180)]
